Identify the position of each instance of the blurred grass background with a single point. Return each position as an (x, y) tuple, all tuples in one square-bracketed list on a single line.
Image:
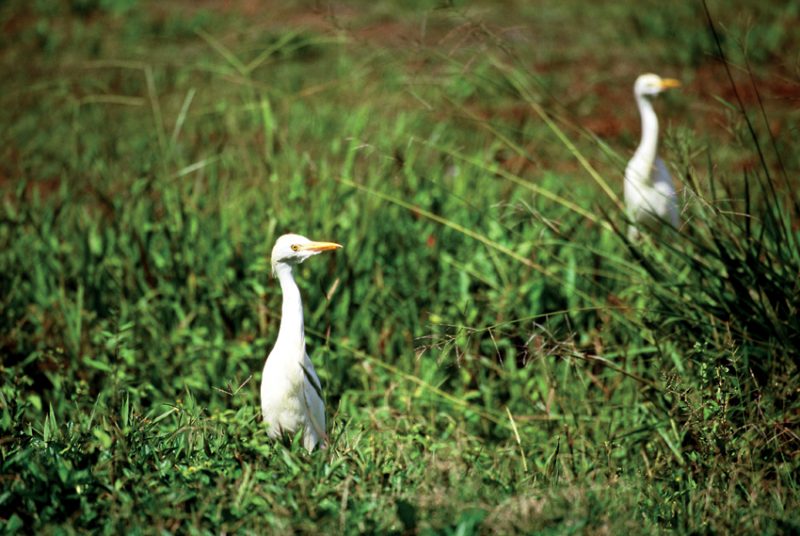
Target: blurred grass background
[(495, 356)]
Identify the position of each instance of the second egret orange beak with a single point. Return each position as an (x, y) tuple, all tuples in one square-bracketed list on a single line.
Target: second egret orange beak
[(668, 83), (320, 246)]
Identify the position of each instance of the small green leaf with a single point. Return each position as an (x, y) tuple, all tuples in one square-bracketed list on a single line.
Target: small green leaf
[(13, 524), (95, 242), (95, 364), (103, 437)]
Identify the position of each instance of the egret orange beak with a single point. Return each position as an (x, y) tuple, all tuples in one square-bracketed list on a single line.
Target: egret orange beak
[(668, 83), (320, 246)]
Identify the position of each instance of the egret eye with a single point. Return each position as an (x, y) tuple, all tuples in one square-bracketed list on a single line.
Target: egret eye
[(295, 247)]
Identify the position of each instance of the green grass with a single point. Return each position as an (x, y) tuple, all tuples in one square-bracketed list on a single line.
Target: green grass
[(495, 356)]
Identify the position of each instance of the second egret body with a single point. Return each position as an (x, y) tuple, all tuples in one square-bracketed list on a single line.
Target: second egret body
[(291, 395), (649, 193)]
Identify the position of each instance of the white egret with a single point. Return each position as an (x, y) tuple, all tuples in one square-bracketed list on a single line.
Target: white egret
[(291, 395), (649, 193)]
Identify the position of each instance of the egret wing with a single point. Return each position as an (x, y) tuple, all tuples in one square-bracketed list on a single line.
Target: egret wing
[(662, 182), (660, 174), (312, 398)]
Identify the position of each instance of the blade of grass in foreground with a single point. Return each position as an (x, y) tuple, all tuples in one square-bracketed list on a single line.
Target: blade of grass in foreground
[(516, 80), (480, 238), (518, 181), (451, 224)]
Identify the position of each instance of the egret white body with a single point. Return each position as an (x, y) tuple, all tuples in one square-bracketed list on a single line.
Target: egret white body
[(649, 193), (291, 394)]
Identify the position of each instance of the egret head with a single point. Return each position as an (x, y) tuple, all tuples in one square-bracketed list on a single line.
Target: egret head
[(650, 85), (291, 249)]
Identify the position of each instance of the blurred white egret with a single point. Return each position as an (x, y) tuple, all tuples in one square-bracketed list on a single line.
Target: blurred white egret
[(291, 395), (649, 192)]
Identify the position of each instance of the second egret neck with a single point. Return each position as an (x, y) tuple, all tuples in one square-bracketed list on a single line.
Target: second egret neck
[(645, 154)]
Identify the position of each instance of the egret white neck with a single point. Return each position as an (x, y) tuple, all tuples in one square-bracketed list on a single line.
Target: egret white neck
[(645, 154), (291, 335)]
